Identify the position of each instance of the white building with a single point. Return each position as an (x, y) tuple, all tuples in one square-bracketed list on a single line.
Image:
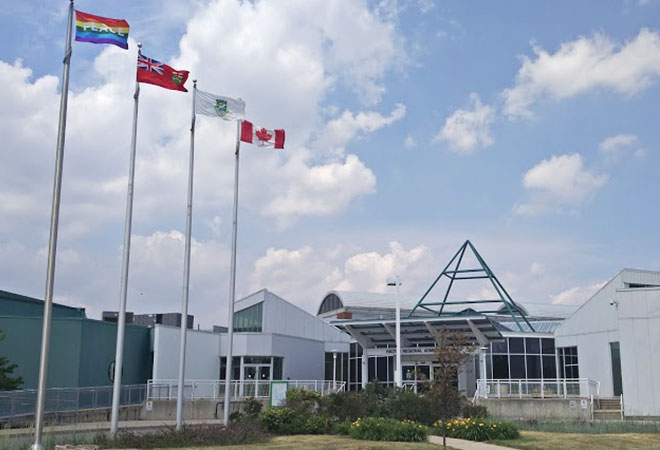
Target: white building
[(612, 342), (614, 337), (273, 340)]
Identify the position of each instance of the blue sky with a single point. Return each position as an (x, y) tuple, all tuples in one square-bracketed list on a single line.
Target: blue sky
[(527, 127)]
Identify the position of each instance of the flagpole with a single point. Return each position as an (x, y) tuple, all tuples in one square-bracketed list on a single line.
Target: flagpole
[(186, 271), (121, 318), (232, 284), (52, 243)]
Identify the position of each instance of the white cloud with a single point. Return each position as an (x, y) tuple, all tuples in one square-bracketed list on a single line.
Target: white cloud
[(319, 190), (468, 129), (338, 132), (368, 271), (308, 51), (577, 295), (582, 65), (341, 268), (537, 269), (615, 143), (558, 183), (409, 143), (614, 146), (283, 58), (315, 275)]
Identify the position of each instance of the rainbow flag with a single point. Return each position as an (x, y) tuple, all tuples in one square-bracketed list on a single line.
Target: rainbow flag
[(101, 30)]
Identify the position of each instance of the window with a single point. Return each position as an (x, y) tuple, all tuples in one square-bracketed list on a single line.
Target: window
[(500, 367), (235, 367), (381, 364), (256, 360), (617, 384), (330, 303), (548, 346), (549, 367), (516, 345), (568, 362), (249, 319), (499, 347), (533, 367), (517, 366), (277, 368), (532, 346)]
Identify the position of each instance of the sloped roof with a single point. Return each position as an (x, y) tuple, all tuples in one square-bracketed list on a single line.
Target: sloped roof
[(540, 326), (387, 301), (374, 300), (546, 310)]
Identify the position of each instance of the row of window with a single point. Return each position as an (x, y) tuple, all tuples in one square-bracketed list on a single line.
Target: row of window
[(518, 345), (260, 367), (249, 319)]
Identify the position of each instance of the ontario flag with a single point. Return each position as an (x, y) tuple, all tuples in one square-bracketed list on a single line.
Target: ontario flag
[(263, 137), (155, 72)]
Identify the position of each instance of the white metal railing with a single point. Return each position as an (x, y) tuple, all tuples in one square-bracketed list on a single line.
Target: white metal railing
[(536, 388), (215, 389), (57, 400)]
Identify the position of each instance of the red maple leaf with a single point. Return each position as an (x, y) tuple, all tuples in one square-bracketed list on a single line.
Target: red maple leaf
[(263, 135)]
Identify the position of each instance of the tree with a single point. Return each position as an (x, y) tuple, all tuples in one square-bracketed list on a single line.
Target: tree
[(452, 350), (8, 382)]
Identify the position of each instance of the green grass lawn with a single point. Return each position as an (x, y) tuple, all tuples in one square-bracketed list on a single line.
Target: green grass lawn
[(537, 440), (325, 442)]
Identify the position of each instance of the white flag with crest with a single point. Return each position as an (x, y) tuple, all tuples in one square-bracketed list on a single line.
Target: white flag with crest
[(226, 108)]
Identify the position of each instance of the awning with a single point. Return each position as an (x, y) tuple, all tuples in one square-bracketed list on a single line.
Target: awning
[(420, 331)]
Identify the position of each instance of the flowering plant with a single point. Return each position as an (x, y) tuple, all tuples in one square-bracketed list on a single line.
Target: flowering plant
[(476, 429)]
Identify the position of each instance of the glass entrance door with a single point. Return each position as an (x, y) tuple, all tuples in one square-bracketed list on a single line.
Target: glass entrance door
[(263, 384), (249, 378), (256, 380)]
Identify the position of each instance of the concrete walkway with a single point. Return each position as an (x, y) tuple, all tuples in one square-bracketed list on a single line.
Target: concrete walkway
[(462, 444)]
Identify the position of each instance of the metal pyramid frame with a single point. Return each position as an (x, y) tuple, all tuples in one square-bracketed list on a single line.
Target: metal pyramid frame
[(454, 272)]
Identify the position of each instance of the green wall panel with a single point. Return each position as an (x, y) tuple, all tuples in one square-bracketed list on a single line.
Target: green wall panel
[(19, 305), (80, 351), (98, 351), (22, 345)]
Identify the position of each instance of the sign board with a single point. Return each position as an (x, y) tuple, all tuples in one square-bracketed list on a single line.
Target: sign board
[(404, 351), (572, 404), (149, 405), (583, 403), (278, 392)]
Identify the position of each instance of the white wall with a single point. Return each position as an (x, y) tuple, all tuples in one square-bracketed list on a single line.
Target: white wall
[(639, 324), (595, 324), (631, 317), (282, 317), (202, 352), (304, 359)]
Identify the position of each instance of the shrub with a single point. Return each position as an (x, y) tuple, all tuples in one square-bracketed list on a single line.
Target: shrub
[(189, 436), (474, 411), (385, 429), (342, 427), (343, 406), (406, 405), (302, 400), (252, 407), (477, 429), (283, 420)]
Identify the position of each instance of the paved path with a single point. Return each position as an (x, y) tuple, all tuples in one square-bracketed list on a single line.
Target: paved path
[(462, 444)]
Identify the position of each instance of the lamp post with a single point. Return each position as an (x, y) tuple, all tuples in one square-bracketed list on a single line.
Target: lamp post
[(334, 371), (396, 281)]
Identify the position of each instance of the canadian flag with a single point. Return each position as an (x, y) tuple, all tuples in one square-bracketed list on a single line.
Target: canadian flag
[(263, 137)]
